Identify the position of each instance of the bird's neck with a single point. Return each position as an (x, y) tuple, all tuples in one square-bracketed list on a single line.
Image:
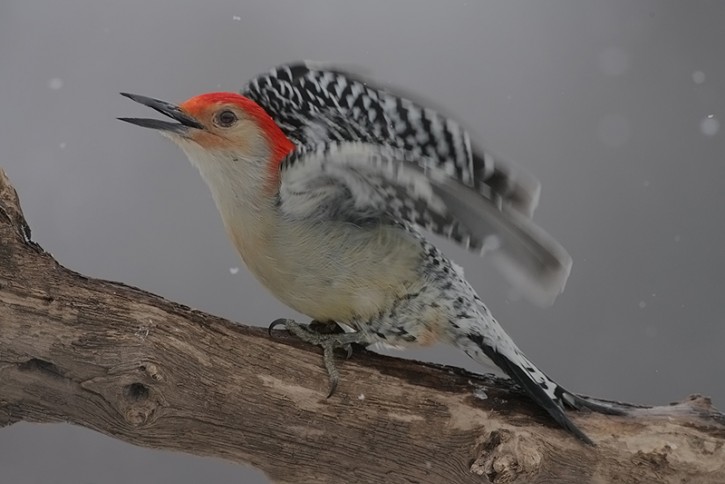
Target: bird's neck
[(241, 191)]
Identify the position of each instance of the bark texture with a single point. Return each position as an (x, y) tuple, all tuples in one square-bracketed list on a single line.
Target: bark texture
[(154, 373)]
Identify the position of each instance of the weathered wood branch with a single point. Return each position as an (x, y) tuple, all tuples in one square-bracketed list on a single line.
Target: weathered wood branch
[(154, 373)]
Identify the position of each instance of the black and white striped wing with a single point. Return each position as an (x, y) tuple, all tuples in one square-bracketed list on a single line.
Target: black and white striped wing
[(363, 184), (316, 104)]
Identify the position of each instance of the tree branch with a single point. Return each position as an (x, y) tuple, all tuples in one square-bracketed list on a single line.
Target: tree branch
[(154, 373)]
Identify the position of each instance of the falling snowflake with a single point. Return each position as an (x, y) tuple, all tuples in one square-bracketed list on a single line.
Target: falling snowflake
[(55, 83), (710, 125)]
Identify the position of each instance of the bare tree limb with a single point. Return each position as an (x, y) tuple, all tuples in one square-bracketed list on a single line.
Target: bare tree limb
[(154, 373)]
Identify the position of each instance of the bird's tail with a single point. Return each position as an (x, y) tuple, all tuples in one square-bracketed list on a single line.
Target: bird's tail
[(549, 395)]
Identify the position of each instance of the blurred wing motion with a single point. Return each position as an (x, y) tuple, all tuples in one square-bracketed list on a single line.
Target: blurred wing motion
[(363, 184), (476, 200)]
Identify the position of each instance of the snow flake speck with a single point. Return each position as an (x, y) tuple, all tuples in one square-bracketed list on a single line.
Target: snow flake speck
[(710, 125), (55, 83)]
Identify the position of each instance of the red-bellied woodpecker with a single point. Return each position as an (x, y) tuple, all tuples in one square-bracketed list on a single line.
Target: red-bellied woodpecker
[(325, 182)]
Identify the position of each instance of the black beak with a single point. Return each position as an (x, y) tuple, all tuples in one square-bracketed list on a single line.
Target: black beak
[(171, 110)]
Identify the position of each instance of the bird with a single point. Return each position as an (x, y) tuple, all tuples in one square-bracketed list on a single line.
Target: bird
[(328, 183)]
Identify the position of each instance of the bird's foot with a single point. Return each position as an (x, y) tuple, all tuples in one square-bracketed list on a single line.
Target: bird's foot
[(328, 343), (325, 327)]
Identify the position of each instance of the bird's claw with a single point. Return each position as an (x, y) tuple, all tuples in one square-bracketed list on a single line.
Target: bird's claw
[(275, 323), (328, 343)]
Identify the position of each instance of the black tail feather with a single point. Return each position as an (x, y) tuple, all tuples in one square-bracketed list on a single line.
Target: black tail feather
[(538, 393), (578, 402)]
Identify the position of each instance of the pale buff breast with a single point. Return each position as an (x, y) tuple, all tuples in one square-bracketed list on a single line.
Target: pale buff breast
[(331, 271)]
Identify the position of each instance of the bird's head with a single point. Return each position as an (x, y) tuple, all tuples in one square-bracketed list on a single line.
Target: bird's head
[(220, 131)]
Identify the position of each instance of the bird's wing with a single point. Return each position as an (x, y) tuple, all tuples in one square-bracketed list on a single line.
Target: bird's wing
[(367, 184), (315, 103)]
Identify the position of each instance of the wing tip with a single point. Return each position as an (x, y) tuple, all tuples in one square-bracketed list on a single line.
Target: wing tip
[(541, 287), (518, 188), (525, 195), (542, 292)]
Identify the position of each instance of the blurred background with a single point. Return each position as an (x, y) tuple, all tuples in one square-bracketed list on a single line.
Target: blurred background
[(618, 107)]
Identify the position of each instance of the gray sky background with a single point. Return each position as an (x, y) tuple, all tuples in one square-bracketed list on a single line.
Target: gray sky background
[(618, 107)]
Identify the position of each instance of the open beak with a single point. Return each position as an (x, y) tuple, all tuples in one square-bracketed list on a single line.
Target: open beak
[(171, 110)]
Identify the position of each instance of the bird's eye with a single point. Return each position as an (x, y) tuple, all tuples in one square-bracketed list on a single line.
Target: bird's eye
[(226, 118)]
